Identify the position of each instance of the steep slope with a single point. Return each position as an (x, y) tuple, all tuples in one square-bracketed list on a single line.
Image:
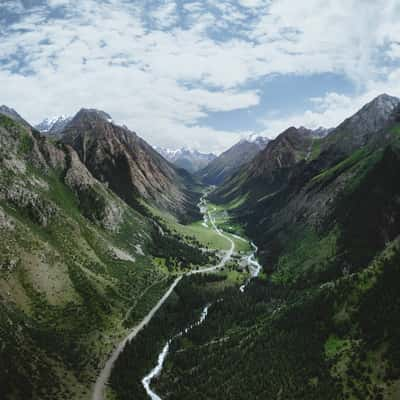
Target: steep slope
[(131, 167), (188, 159), (11, 113), (323, 323), (270, 168), (227, 163), (53, 126), (298, 152), (76, 267)]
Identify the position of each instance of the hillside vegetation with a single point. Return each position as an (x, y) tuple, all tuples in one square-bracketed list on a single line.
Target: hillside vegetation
[(324, 324), (78, 267)]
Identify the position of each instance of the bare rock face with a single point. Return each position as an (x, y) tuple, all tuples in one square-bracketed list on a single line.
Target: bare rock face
[(18, 147), (87, 188), (6, 222), (77, 176), (357, 130), (38, 208), (54, 155), (131, 167)]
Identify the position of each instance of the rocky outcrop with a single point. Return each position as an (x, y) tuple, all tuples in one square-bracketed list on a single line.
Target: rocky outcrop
[(360, 128), (37, 207), (22, 146), (6, 222)]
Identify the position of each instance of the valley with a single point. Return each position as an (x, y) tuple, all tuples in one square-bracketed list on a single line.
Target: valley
[(124, 276), (199, 200), (106, 372), (251, 271), (254, 269)]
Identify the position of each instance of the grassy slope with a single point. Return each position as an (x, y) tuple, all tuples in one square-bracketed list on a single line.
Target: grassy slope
[(69, 289), (69, 285)]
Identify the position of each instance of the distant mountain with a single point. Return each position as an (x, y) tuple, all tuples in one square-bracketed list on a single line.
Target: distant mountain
[(226, 164), (53, 126), (131, 167), (186, 158)]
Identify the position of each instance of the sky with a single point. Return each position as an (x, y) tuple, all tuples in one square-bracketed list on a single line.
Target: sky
[(200, 74)]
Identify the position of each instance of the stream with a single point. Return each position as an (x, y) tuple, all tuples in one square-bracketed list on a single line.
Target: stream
[(255, 269)]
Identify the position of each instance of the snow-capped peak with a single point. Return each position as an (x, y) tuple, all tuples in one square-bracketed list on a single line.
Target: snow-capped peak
[(186, 157), (53, 125)]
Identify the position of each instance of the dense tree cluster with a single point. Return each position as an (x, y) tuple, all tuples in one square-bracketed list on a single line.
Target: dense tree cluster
[(178, 252), (140, 355)]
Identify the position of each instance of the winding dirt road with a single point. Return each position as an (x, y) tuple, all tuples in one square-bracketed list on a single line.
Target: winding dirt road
[(98, 390)]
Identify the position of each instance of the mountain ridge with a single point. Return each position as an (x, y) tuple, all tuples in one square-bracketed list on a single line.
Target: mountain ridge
[(130, 166), (227, 163)]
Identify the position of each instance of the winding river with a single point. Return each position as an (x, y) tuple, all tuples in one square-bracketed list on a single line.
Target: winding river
[(104, 376), (255, 269)]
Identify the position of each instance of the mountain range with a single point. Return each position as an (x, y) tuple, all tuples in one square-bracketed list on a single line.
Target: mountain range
[(128, 165), (189, 159), (96, 225)]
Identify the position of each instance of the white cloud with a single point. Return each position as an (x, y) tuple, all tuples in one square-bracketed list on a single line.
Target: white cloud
[(58, 3), (253, 3), (333, 108), (164, 78), (165, 15)]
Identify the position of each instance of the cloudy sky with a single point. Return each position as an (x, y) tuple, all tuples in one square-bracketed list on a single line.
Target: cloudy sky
[(199, 73)]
